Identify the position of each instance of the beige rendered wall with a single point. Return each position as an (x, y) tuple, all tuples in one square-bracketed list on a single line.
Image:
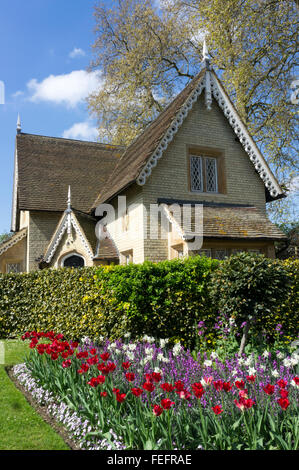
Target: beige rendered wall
[(15, 254)]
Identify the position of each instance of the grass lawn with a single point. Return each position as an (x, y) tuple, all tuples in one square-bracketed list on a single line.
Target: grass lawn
[(21, 428)]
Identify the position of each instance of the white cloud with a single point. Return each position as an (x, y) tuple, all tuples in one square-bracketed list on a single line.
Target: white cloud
[(17, 94), (81, 131), (294, 185), (69, 89), (76, 52)]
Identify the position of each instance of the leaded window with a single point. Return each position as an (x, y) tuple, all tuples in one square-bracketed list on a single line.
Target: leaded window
[(13, 268), (196, 173), (220, 254), (205, 252), (211, 175), (203, 174)]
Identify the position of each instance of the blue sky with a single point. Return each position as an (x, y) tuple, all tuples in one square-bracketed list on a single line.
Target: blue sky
[(45, 49)]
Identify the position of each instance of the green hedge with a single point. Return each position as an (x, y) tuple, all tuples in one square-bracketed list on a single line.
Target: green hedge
[(164, 299)]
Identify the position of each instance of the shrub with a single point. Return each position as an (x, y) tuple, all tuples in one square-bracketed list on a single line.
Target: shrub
[(165, 299), (250, 287)]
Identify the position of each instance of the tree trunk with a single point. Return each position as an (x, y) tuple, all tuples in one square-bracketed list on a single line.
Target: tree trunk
[(244, 337)]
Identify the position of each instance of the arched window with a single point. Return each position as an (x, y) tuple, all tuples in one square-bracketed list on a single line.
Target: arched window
[(73, 261)]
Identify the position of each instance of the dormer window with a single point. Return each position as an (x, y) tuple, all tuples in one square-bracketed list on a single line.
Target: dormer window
[(203, 174)]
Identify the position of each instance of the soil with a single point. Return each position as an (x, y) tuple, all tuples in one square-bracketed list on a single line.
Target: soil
[(42, 411)]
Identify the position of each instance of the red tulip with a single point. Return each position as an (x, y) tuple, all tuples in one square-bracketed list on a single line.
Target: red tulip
[(157, 410), (166, 403), (269, 389), (217, 409)]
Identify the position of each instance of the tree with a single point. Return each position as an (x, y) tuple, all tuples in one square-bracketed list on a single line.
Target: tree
[(146, 55), (5, 236)]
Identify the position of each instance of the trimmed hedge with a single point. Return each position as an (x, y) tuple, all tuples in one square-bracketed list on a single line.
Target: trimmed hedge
[(164, 299)]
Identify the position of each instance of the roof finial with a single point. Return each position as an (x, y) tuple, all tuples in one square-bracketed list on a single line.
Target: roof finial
[(19, 128), (205, 54), (69, 200)]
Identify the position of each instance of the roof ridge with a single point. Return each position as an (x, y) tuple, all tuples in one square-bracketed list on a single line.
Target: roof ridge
[(87, 142)]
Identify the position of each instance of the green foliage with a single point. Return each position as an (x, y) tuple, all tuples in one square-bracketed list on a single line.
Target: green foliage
[(252, 287), (165, 300), (109, 301)]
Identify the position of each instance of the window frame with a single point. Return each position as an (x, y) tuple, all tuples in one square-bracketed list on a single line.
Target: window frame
[(206, 153)]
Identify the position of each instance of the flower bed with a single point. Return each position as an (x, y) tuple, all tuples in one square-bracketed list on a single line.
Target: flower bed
[(126, 395)]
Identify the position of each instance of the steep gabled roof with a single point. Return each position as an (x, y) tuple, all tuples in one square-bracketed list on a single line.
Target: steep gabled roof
[(46, 166), (142, 155)]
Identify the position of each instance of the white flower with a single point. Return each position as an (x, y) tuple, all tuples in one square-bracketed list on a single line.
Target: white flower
[(280, 355), (149, 357), (130, 356), (176, 349), (112, 346), (294, 361), (287, 362), (157, 370), (132, 346), (149, 350), (213, 355), (148, 339), (208, 363), (275, 373), (203, 383), (248, 361), (241, 361), (163, 343), (127, 335), (160, 357), (266, 354), (232, 321), (166, 360), (293, 383), (234, 372), (251, 371)]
